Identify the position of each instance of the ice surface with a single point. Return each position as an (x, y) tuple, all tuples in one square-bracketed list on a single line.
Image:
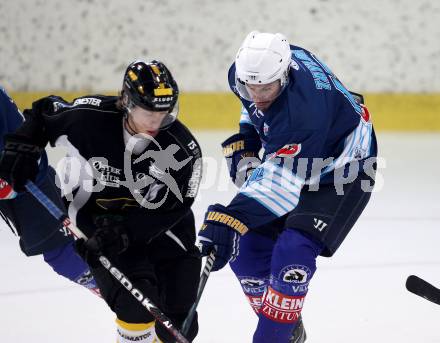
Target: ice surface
[(357, 296)]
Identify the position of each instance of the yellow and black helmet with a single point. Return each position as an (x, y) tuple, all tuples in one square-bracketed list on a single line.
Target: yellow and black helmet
[(151, 86)]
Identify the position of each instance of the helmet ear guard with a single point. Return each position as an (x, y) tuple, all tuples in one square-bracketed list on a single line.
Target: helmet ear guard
[(262, 59)]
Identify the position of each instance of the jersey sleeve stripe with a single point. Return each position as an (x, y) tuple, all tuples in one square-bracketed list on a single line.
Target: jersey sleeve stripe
[(267, 201), (282, 189), (286, 182), (272, 209), (279, 192), (272, 196)]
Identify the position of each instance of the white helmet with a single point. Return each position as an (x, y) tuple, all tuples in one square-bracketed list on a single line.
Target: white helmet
[(262, 59)]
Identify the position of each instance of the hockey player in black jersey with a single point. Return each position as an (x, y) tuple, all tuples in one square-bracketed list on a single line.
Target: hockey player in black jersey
[(131, 176)]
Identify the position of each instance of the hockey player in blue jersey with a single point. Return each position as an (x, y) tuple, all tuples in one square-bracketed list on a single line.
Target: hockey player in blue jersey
[(305, 194), (39, 232)]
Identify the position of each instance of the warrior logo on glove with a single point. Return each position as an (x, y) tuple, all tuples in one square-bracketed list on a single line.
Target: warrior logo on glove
[(221, 233), (228, 220)]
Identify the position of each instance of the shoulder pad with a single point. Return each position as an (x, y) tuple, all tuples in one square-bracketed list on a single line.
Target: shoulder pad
[(107, 103)]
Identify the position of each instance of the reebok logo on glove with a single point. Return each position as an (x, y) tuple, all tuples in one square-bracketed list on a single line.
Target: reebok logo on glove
[(22, 147), (228, 220)]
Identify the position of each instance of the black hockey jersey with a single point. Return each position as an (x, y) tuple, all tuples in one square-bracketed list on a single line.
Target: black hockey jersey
[(103, 173)]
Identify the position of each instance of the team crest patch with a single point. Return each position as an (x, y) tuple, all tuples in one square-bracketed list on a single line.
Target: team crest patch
[(295, 273), (289, 150), (257, 175)]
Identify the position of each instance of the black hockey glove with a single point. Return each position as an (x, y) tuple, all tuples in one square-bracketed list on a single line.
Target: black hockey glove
[(109, 239), (241, 154), (45, 105), (19, 160), (220, 232)]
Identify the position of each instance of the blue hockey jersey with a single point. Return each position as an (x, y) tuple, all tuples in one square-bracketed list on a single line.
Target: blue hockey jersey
[(10, 119), (314, 127)]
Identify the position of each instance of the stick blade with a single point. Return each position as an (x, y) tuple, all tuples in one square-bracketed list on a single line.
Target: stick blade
[(420, 287)]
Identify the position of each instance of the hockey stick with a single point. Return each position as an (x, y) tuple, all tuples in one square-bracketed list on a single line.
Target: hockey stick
[(120, 277), (203, 280), (424, 289)]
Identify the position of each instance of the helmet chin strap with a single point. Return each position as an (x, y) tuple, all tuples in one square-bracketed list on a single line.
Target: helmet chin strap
[(130, 130), (140, 143), (126, 106), (128, 126)]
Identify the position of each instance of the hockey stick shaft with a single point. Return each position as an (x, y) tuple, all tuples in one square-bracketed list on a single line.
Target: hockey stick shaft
[(120, 277), (203, 280), (422, 288)]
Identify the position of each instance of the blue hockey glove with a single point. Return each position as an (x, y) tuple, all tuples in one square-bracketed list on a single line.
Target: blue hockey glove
[(220, 232), (241, 154)]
